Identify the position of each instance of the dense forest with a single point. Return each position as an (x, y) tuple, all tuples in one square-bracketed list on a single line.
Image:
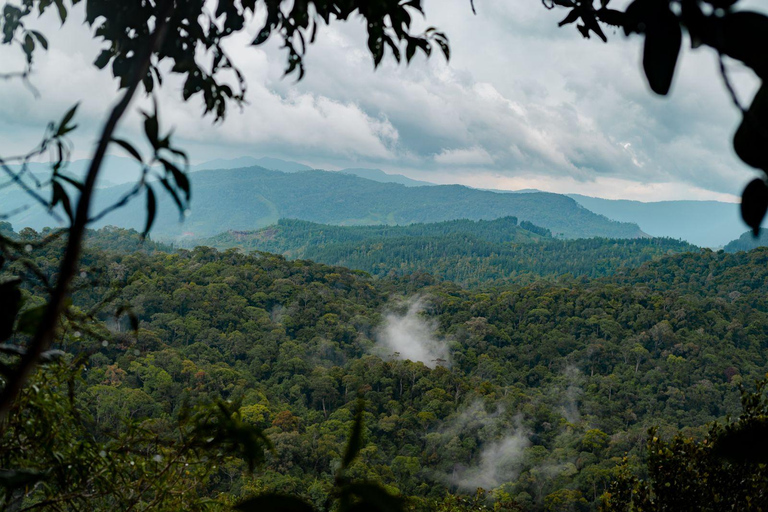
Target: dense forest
[(532, 392), (470, 253)]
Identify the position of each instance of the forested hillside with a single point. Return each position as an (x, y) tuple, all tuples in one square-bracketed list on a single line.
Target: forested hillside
[(252, 198), (747, 242), (466, 252), (531, 392)]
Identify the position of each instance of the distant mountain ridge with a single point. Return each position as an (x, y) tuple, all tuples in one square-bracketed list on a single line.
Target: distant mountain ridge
[(252, 198), (703, 223), (384, 177), (274, 164)]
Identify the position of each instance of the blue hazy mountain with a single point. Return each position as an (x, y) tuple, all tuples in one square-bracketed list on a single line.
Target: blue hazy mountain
[(252, 198), (703, 223), (383, 177), (274, 164)]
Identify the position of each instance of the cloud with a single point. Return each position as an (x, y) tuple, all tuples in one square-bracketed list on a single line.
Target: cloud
[(520, 100), (411, 336), (499, 462), (500, 457), (471, 156)]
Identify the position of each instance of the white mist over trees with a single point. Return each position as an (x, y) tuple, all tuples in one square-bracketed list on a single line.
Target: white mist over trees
[(412, 336)]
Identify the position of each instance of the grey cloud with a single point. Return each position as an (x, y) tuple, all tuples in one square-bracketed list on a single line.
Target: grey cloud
[(539, 101)]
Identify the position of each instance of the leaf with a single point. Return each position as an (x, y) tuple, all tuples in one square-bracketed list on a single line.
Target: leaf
[(744, 443), (274, 503), (754, 204), (663, 38), (10, 303), (151, 210), (129, 148), (30, 319), (572, 16), (751, 138), (62, 11), (372, 497), (355, 436), (16, 478), (63, 128), (178, 176), (40, 38), (743, 35), (103, 59), (152, 129), (60, 196)]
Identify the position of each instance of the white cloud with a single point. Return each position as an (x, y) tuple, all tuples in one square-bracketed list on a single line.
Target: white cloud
[(411, 336)]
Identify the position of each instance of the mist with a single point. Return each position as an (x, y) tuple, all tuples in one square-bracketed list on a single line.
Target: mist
[(411, 336)]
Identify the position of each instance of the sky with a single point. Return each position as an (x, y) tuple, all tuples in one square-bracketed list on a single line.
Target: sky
[(521, 104)]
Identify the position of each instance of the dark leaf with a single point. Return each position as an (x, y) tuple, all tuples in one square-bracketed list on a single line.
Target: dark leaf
[(744, 443), (17, 478), (62, 10), (129, 148), (151, 210), (754, 204), (30, 319), (663, 38), (178, 176), (103, 59), (10, 302), (152, 129), (63, 126), (572, 16), (611, 17), (743, 35), (60, 196), (373, 497), (40, 38), (355, 437), (751, 139), (274, 503)]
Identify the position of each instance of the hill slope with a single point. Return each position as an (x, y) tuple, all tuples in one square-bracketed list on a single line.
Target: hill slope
[(252, 198), (747, 242), (470, 253)]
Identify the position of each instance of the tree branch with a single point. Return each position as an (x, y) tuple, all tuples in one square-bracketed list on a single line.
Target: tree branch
[(46, 330)]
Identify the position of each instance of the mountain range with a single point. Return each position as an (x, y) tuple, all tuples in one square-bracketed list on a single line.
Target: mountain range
[(254, 197), (704, 223)]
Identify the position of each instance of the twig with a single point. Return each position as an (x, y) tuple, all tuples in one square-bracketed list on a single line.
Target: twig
[(729, 85)]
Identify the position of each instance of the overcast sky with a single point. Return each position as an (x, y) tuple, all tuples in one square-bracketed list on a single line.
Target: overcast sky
[(522, 104)]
